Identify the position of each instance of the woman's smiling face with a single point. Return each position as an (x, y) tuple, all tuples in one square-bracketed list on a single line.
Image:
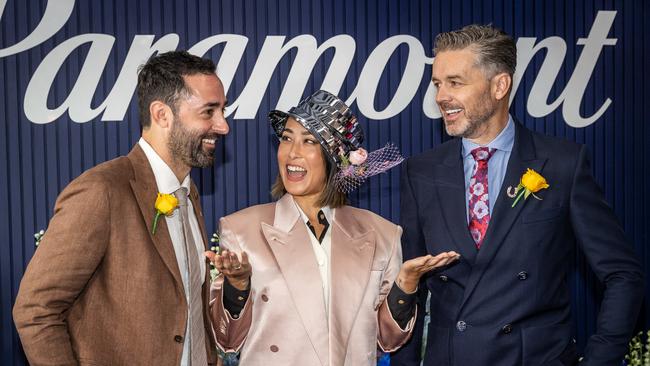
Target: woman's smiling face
[(301, 162)]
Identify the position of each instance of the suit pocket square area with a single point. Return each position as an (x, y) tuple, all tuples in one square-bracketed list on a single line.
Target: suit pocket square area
[(545, 214)]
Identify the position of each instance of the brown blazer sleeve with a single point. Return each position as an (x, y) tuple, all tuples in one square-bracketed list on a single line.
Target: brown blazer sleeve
[(66, 259), (229, 332), (391, 336)]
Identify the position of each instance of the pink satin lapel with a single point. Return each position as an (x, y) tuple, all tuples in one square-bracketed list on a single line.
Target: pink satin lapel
[(353, 250), (289, 241)]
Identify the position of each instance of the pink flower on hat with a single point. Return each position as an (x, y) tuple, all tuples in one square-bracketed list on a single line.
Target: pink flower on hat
[(358, 156)]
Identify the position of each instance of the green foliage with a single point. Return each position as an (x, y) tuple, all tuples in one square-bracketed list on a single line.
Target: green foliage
[(639, 352), (38, 236), (214, 246)]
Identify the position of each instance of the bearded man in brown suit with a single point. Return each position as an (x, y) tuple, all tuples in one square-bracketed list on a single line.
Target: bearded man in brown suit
[(104, 287)]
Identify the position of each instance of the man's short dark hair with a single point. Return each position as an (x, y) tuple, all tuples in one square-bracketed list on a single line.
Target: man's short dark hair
[(161, 78), (496, 50)]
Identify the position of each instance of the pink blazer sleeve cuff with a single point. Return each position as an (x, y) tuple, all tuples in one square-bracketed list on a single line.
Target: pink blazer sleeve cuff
[(230, 333), (390, 336)]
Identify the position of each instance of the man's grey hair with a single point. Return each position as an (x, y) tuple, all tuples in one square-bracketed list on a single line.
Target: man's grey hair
[(495, 49)]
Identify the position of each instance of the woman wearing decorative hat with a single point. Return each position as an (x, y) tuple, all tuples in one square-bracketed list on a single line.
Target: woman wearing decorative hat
[(308, 280)]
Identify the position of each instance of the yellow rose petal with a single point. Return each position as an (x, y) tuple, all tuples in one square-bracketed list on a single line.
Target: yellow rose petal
[(533, 181), (166, 203)]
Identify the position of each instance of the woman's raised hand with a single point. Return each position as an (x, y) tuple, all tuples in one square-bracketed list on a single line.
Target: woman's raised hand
[(412, 270), (237, 271)]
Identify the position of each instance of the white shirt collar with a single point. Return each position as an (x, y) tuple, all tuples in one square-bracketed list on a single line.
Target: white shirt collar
[(329, 213), (504, 141), (165, 178)]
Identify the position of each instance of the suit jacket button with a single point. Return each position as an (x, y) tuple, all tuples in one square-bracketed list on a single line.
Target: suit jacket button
[(274, 348), (444, 278), (178, 339), (461, 326), (507, 329), (522, 275), (265, 298)]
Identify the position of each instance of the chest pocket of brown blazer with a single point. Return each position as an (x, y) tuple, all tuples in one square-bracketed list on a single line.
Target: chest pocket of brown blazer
[(89, 362)]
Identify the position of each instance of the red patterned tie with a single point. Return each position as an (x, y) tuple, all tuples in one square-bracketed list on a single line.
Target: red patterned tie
[(479, 202)]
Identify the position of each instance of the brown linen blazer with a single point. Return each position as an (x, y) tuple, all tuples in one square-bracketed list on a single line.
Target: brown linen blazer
[(102, 289), (284, 321)]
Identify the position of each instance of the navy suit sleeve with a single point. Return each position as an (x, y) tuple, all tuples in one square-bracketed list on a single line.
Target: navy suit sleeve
[(412, 246), (614, 262)]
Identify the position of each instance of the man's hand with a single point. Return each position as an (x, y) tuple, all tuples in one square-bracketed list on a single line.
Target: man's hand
[(411, 271), (238, 272)]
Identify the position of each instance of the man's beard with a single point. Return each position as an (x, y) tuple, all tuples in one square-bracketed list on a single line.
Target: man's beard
[(187, 146), (484, 110)]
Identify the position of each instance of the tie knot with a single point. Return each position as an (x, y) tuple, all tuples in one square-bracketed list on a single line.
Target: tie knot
[(181, 196), (482, 153)]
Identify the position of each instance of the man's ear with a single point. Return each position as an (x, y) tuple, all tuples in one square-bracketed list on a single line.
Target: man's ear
[(501, 85), (161, 114)]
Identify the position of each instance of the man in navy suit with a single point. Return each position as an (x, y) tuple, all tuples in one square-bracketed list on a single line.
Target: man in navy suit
[(506, 302)]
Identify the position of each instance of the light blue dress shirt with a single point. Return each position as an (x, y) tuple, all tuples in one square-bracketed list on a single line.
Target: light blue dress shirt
[(497, 164)]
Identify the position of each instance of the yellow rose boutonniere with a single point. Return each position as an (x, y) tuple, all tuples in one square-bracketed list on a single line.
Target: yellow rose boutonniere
[(165, 205), (531, 182)]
